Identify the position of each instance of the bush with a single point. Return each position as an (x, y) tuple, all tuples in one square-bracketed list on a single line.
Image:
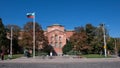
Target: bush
[(72, 52), (42, 54)]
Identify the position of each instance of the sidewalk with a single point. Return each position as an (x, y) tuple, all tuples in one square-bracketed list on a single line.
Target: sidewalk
[(59, 60)]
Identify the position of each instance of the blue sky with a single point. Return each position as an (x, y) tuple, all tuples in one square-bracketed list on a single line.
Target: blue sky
[(69, 13)]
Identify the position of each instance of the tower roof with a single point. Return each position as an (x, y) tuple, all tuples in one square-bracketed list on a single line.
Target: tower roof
[(55, 25)]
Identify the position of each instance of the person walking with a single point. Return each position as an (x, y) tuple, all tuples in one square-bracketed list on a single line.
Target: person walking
[(2, 56)]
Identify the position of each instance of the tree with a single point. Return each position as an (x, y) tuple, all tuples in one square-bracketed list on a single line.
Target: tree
[(27, 38), (16, 33), (111, 45), (97, 41), (79, 40), (117, 46), (4, 42), (90, 31), (68, 47)]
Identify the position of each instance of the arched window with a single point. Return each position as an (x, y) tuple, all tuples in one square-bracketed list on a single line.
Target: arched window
[(56, 37)]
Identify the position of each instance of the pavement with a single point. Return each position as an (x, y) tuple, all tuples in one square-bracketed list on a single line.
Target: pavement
[(59, 60)]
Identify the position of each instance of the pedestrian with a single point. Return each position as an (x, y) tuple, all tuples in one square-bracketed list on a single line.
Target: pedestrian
[(2, 56), (25, 52), (51, 54)]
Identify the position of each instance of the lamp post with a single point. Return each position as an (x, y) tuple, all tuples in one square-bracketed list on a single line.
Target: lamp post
[(105, 50), (11, 42)]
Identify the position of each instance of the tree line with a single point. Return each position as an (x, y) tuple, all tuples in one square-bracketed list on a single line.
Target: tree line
[(90, 40), (22, 38), (85, 40)]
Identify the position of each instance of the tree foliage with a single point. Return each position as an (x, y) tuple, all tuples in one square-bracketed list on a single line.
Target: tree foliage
[(117, 45), (15, 38), (89, 39), (111, 45), (68, 47), (90, 31), (79, 40), (4, 42), (27, 38)]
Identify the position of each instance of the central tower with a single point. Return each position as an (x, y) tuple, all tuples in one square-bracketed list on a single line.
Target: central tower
[(56, 37)]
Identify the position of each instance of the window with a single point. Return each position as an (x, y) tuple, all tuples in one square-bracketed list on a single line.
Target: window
[(55, 44), (52, 38), (60, 44), (52, 44), (56, 37), (60, 39)]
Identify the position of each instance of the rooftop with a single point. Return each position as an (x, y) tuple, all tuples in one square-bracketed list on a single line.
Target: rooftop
[(55, 25)]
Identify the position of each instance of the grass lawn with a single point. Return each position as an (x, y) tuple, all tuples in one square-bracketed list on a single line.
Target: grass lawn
[(13, 56), (95, 56)]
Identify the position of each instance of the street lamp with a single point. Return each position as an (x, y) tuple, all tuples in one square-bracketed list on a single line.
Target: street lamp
[(105, 50)]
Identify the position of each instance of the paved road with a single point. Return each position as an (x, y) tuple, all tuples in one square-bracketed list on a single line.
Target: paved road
[(62, 65)]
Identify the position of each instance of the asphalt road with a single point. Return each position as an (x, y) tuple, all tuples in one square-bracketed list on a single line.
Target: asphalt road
[(114, 64)]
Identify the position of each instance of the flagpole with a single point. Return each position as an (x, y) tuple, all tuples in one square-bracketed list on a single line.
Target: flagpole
[(34, 36)]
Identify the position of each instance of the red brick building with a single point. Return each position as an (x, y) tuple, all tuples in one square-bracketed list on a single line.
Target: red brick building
[(57, 36)]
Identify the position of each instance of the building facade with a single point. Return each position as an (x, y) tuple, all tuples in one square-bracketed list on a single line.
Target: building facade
[(57, 36)]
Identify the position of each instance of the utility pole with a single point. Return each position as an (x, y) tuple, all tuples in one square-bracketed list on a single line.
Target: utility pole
[(105, 50)]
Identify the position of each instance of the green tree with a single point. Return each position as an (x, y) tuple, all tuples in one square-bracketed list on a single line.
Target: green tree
[(68, 47), (4, 42), (90, 31), (27, 38), (111, 45), (97, 40), (15, 39), (116, 45)]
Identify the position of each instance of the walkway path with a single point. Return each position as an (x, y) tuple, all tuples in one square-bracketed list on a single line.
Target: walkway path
[(59, 60)]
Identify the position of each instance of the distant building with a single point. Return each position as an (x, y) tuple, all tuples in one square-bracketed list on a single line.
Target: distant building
[(57, 36)]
